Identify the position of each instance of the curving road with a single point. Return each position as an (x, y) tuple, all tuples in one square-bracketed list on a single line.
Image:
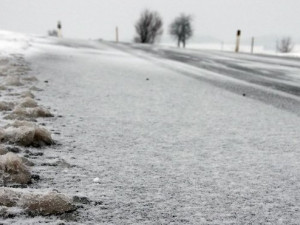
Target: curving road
[(169, 133), (271, 79)]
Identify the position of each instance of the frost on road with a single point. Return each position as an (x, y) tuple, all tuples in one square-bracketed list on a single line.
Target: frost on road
[(139, 142)]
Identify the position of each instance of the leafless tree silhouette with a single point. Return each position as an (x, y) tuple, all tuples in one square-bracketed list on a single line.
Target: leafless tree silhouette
[(148, 27), (285, 45), (181, 29), (53, 33)]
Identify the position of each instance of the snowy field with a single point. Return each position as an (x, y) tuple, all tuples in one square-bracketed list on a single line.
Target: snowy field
[(165, 148), (244, 48)]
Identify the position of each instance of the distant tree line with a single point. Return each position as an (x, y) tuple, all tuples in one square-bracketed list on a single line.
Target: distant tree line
[(285, 45), (149, 28), (181, 29)]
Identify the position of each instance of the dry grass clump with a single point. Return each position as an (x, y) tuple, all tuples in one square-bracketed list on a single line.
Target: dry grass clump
[(12, 169), (3, 150), (25, 161), (8, 197), (18, 117), (34, 112), (34, 88), (51, 203), (27, 94), (28, 103), (13, 81), (25, 134), (22, 136), (6, 106), (47, 204), (31, 79)]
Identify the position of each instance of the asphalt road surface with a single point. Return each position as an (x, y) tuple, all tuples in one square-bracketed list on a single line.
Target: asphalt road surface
[(271, 79), (174, 136)]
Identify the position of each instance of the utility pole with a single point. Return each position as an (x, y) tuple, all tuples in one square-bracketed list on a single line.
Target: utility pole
[(117, 34), (252, 45), (59, 29), (238, 37)]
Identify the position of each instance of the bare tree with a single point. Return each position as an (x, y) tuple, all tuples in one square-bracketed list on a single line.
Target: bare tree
[(148, 27), (181, 29), (53, 33), (284, 45)]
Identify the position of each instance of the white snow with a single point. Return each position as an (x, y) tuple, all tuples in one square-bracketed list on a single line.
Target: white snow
[(11, 42), (96, 180), (258, 49), (159, 146)]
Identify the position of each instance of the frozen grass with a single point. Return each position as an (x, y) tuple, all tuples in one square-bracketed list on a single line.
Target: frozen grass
[(27, 94), (33, 112), (49, 203), (30, 79), (13, 81), (3, 150), (13, 170), (6, 106), (25, 134), (27, 103), (34, 88)]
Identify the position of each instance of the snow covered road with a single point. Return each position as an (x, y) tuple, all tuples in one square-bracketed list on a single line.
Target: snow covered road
[(167, 148), (270, 79)]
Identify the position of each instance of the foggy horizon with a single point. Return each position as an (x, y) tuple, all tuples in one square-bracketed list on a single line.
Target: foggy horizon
[(98, 19)]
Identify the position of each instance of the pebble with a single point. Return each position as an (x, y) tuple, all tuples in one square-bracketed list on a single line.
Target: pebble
[(96, 180)]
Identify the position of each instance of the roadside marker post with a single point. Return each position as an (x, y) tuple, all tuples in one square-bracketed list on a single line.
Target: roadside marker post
[(238, 37), (117, 34), (252, 45), (59, 29)]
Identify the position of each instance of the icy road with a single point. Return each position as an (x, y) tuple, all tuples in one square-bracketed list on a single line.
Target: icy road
[(174, 136)]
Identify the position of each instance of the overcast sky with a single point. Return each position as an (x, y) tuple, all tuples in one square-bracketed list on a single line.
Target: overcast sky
[(98, 18)]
